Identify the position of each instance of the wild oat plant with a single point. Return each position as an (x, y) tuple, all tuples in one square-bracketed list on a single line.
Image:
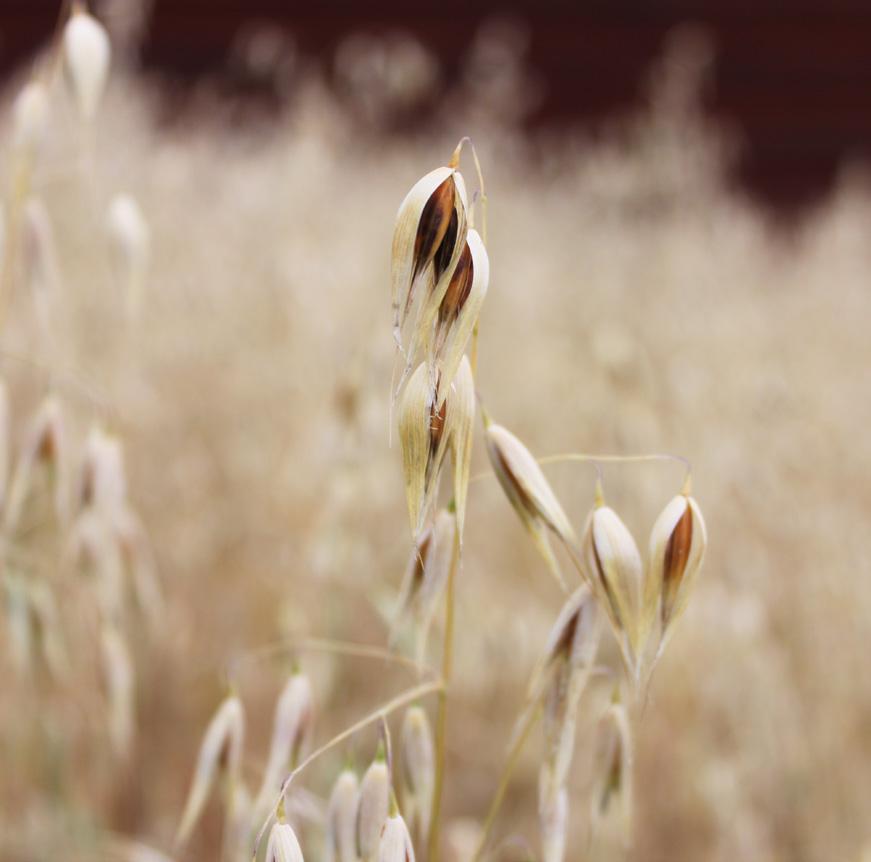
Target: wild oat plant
[(77, 564), (440, 277)]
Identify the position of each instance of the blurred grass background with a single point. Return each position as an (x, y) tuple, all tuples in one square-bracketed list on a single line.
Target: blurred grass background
[(639, 301)]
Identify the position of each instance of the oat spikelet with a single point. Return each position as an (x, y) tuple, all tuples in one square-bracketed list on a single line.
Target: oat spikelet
[(340, 840), (423, 442), (418, 770), (102, 481), (460, 308), (291, 734), (553, 809), (613, 564), (30, 115), (566, 667), (86, 52), (428, 241), (46, 628), (423, 583), (130, 239), (221, 750), (283, 845), (436, 570), (677, 549), (372, 806), (529, 493), (44, 445), (570, 659), (412, 583), (426, 434), (395, 844), (573, 640)]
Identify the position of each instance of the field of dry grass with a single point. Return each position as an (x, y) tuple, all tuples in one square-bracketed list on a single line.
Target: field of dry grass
[(636, 305)]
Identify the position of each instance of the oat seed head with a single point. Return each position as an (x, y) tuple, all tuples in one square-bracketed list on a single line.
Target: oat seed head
[(221, 751), (45, 445), (30, 118), (283, 845), (102, 481), (612, 561), (340, 838), (395, 844), (435, 578), (428, 242), (130, 240), (529, 492), (291, 735), (86, 52), (553, 809), (677, 548), (372, 808), (424, 444), (460, 308)]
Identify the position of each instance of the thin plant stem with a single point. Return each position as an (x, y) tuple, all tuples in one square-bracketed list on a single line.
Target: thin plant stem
[(442, 714), (595, 459), (448, 647), (583, 457), (408, 696), (323, 645), (532, 717)]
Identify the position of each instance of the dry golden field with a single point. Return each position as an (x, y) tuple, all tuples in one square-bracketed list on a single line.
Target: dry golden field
[(636, 305)]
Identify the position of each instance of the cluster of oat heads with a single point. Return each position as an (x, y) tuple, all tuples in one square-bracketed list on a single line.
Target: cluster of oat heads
[(440, 273), (360, 822), (219, 765), (440, 277), (82, 601), (69, 528), (642, 603), (89, 539)]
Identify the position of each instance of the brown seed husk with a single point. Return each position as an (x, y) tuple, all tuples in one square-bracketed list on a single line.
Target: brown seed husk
[(529, 493)]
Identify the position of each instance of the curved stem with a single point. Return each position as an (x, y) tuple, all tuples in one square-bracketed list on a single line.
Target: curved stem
[(507, 771), (584, 457), (442, 715), (323, 645), (592, 458)]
